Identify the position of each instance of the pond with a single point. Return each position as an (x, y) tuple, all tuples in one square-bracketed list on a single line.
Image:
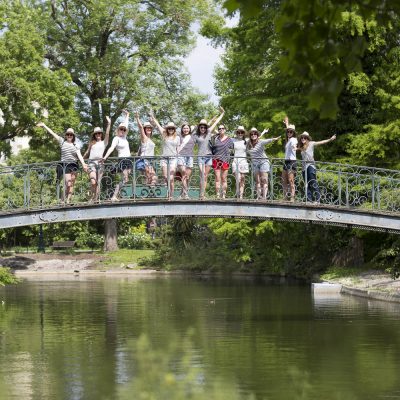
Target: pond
[(193, 337)]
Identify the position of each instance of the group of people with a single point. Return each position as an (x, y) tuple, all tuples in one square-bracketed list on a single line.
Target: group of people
[(214, 150)]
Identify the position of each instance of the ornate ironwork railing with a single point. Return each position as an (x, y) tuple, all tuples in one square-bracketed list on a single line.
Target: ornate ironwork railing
[(38, 186)]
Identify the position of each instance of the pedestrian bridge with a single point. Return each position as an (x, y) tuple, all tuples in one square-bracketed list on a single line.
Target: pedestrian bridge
[(350, 196)]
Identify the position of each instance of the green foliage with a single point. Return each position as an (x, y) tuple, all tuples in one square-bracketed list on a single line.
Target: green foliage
[(6, 277), (322, 42), (135, 240), (172, 373)]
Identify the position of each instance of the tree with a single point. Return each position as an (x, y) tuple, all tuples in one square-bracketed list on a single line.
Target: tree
[(314, 48), (28, 88)]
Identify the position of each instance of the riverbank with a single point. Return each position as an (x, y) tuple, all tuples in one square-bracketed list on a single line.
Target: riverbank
[(370, 284), (85, 262)]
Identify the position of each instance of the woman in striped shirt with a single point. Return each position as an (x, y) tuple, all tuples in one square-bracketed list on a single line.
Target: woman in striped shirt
[(221, 146), (259, 161), (68, 166)]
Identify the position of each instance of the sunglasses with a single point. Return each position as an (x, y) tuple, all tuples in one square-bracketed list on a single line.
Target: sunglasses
[(290, 132), (98, 133), (122, 129), (240, 133), (221, 129), (69, 134), (254, 134), (203, 127)]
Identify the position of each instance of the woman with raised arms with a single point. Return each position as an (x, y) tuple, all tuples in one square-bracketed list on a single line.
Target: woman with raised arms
[(170, 144), (306, 146), (68, 166), (147, 147), (202, 138), (259, 161), (289, 165), (185, 158), (240, 166), (95, 151), (120, 142)]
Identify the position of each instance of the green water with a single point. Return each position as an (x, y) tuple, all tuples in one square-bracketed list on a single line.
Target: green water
[(77, 339)]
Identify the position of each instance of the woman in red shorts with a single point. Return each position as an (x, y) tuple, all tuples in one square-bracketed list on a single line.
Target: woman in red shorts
[(221, 146)]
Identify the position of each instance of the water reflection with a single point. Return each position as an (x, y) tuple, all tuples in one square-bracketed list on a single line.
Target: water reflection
[(78, 338)]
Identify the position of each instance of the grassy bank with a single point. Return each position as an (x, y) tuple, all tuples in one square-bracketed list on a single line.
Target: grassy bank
[(130, 258)]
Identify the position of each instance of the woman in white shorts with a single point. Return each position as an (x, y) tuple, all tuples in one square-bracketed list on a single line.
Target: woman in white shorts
[(259, 161), (120, 143), (170, 144), (240, 166), (95, 151)]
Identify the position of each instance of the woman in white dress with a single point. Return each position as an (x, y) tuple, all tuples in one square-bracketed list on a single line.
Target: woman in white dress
[(289, 166), (95, 151), (240, 166)]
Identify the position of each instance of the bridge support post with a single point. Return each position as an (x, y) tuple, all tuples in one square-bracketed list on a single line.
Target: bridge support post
[(41, 248)]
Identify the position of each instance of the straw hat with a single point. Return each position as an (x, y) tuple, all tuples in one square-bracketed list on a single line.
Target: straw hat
[(240, 128), (170, 125), (97, 130), (70, 130), (203, 122), (254, 130), (147, 125), (291, 127), (305, 134)]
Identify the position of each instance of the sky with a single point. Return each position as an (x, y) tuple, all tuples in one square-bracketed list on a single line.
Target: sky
[(203, 59), (201, 63)]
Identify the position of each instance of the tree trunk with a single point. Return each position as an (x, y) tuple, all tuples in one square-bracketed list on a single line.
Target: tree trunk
[(110, 235)]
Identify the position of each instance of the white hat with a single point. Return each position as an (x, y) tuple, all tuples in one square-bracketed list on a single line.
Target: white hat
[(170, 125), (97, 129), (203, 122), (122, 125), (70, 130), (240, 128), (305, 134), (292, 127), (147, 125), (254, 130)]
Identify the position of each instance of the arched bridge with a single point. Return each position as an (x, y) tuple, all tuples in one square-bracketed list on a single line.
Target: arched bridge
[(349, 196)]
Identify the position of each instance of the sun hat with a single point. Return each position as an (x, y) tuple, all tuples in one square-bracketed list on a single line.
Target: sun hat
[(70, 130), (147, 125), (97, 130), (291, 127), (240, 128), (203, 122), (305, 134), (254, 130), (170, 125)]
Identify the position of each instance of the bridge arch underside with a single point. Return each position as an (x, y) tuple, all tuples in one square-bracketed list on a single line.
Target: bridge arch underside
[(347, 218)]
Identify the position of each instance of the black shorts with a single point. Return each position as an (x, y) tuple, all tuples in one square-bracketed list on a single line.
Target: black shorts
[(290, 165), (67, 168)]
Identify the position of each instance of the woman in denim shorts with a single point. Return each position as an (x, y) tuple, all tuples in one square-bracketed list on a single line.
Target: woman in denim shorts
[(259, 161), (202, 138), (185, 158)]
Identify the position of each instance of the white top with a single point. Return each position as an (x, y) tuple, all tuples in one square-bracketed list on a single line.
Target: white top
[(290, 149), (239, 146), (170, 146), (122, 146), (97, 150), (147, 148), (308, 155)]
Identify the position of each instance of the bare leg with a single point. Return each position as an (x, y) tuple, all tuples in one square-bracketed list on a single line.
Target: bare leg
[(264, 185), (258, 186), (224, 184), (98, 183), (120, 185), (204, 171), (93, 185), (292, 188), (241, 185), (218, 182), (285, 184), (70, 182)]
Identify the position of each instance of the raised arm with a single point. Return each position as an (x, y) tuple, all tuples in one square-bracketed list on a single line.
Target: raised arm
[(264, 132), (216, 122), (126, 120), (331, 139), (107, 135), (154, 121), (286, 121), (42, 125), (143, 136)]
